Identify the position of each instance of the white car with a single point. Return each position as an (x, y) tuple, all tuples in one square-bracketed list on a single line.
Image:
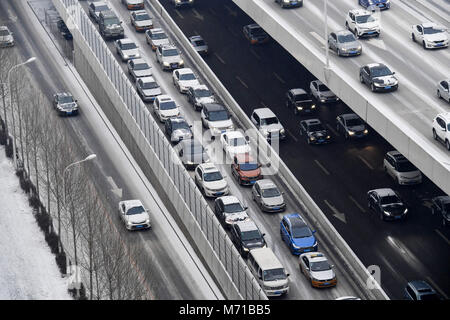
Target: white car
[(156, 37), (210, 180), (134, 215), (127, 49), (430, 35), (441, 129), (362, 23), (321, 92), (169, 57), (141, 21), (184, 79), (217, 118), (234, 142), (443, 90), (401, 169), (165, 107), (147, 88)]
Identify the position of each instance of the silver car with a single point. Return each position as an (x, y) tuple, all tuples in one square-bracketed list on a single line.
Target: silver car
[(147, 88), (199, 45), (138, 68), (156, 37), (127, 49), (268, 124), (192, 153), (344, 43), (6, 37), (443, 90), (268, 196), (96, 7), (169, 57), (321, 92)]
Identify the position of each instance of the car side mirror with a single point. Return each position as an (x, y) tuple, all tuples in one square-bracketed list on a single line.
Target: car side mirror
[(190, 126), (245, 208), (287, 274), (260, 277), (314, 231), (76, 100), (282, 192), (332, 266), (393, 72), (263, 235), (258, 195), (120, 22), (247, 138)]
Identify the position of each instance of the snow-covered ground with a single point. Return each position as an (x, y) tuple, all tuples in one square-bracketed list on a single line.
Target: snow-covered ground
[(27, 267)]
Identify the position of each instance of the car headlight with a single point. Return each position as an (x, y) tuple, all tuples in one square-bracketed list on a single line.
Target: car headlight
[(312, 138), (386, 213), (351, 132), (406, 211), (126, 56), (229, 220), (328, 137), (181, 62), (245, 249), (366, 131), (129, 223), (313, 106), (359, 48), (299, 108), (282, 131), (147, 221)]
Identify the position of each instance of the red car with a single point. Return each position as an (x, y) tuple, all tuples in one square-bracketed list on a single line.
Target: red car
[(245, 169)]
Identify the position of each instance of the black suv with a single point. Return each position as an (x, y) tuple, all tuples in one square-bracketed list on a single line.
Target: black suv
[(314, 131), (300, 101), (441, 205), (109, 25), (387, 204), (64, 30), (246, 236)]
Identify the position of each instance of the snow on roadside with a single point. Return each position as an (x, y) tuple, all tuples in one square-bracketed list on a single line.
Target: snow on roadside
[(28, 269)]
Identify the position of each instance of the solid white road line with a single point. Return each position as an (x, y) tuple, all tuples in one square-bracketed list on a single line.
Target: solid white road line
[(332, 130), (255, 54), (435, 286), (242, 82), (219, 58), (322, 167), (357, 204), (366, 162), (291, 135), (179, 14)]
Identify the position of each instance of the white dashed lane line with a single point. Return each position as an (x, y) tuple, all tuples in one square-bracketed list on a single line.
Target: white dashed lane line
[(242, 82), (219, 58), (435, 286), (442, 236), (322, 167), (279, 78), (366, 162), (179, 14), (357, 204)]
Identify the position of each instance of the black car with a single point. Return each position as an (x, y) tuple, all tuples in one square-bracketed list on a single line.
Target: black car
[(65, 104), (300, 101), (192, 153), (378, 77), (420, 290), (314, 131), (177, 129), (387, 204), (351, 125), (255, 34), (199, 95), (64, 30), (229, 210), (246, 236), (441, 205)]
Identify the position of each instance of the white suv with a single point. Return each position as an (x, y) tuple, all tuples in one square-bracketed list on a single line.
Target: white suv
[(362, 23), (401, 169), (210, 180), (441, 128)]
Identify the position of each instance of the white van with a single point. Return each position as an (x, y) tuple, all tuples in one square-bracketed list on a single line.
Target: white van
[(268, 271)]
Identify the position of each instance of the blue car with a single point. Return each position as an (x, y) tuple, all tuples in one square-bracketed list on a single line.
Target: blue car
[(382, 4), (297, 235)]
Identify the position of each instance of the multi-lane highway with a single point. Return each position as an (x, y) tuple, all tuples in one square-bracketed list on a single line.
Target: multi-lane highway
[(171, 267), (338, 175), (268, 223)]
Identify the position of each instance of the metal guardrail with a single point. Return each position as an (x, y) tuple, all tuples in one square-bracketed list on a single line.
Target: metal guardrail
[(228, 267)]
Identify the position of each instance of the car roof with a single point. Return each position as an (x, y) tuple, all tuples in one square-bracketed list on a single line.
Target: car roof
[(125, 40), (343, 32), (264, 112), (99, 3), (360, 12), (315, 256), (254, 26), (297, 91), (312, 121), (397, 156), (445, 116), (185, 70), (139, 12), (131, 203), (147, 79), (64, 94), (138, 60), (193, 38), (384, 192), (421, 286), (244, 158), (168, 46), (348, 116), (187, 143), (208, 107), (208, 167), (234, 134), (246, 225), (200, 86), (229, 199), (164, 97), (108, 13), (156, 30), (374, 65), (295, 219), (176, 119), (429, 24), (266, 259), (266, 183)]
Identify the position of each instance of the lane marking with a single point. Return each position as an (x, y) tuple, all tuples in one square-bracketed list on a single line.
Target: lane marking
[(197, 15), (442, 236), (336, 213), (366, 162), (179, 14), (322, 167), (318, 38), (357, 204), (219, 58), (292, 136), (279, 78), (332, 130), (242, 82), (212, 11), (263, 104), (255, 54), (231, 12), (435, 286)]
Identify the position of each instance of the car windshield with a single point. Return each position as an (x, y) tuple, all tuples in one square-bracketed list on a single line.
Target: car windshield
[(270, 192), (111, 20), (199, 43), (149, 85), (274, 274), (301, 232), (102, 7), (269, 121), (251, 235), (346, 38), (218, 115), (257, 32), (159, 36), (170, 52), (128, 46), (65, 99), (381, 71), (353, 122), (320, 266), (4, 32), (323, 87), (236, 142), (180, 125), (187, 76), (168, 105), (202, 93), (212, 176), (365, 19), (406, 166), (141, 66), (142, 16), (248, 166), (135, 210), (432, 30), (233, 207), (316, 127), (302, 97), (389, 200), (448, 127)]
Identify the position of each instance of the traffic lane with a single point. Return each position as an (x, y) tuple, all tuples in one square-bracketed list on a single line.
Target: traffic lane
[(256, 77), (175, 284)]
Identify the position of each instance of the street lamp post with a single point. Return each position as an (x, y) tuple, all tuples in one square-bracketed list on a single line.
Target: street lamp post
[(10, 103)]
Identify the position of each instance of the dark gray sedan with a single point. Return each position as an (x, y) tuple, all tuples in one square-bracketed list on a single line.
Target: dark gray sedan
[(351, 126), (267, 195), (378, 77), (344, 43), (138, 68), (199, 45), (96, 7)]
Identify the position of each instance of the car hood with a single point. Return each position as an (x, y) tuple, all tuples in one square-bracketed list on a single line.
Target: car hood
[(272, 127), (357, 128), (142, 73), (188, 83), (152, 92), (174, 59), (204, 100), (304, 242), (219, 184), (250, 173), (181, 134), (134, 1), (143, 23), (273, 201), (369, 25), (170, 113), (323, 275), (349, 45), (7, 38), (386, 80), (395, 208), (196, 158), (137, 218), (68, 106), (319, 134), (220, 124), (436, 37)]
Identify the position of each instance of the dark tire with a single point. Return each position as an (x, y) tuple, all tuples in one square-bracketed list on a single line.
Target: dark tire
[(381, 216), (361, 78), (423, 44), (447, 144), (372, 87), (438, 94), (413, 37), (434, 135)]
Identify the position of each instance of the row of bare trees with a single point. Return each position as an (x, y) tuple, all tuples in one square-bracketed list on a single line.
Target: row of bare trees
[(78, 226)]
